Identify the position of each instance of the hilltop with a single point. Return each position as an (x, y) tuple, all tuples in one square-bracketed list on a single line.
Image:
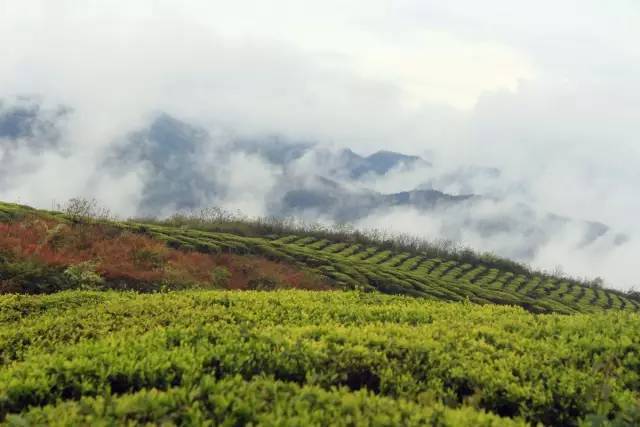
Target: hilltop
[(317, 258)]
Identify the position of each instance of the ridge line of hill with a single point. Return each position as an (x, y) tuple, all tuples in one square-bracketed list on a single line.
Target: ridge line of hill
[(359, 262)]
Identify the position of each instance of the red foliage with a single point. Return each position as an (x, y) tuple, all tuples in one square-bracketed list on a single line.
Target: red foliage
[(130, 257), (244, 269), (27, 240), (124, 257), (193, 266)]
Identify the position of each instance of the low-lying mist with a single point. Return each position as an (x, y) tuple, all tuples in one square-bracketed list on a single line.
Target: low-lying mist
[(165, 165)]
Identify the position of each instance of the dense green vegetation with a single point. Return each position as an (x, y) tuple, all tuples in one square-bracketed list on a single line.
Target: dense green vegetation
[(309, 357), (371, 267), (132, 322), (44, 255)]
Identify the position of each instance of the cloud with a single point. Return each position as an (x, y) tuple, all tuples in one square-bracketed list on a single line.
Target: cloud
[(507, 229), (530, 104)]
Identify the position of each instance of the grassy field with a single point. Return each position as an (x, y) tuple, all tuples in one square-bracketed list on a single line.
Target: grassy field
[(107, 322)]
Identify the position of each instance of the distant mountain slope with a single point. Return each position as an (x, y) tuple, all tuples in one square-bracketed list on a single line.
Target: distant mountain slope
[(27, 121), (330, 200), (170, 165), (345, 162), (276, 150), (168, 151), (27, 130), (381, 162)]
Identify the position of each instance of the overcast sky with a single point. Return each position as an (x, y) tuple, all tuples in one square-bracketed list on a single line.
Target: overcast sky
[(547, 91)]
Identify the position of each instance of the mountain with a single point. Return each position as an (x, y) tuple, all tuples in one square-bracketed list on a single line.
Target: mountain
[(355, 166), (169, 151), (173, 165), (274, 149), (334, 201), (382, 162), (344, 162), (182, 171), (28, 124)]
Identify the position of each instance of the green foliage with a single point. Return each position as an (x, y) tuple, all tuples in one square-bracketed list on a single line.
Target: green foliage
[(79, 209), (261, 401), (299, 358), (372, 263), (30, 277), (12, 211), (220, 277), (148, 258), (264, 284), (360, 267), (84, 276), (85, 357), (219, 220)]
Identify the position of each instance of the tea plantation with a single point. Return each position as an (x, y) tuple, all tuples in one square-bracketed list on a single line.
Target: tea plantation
[(392, 337)]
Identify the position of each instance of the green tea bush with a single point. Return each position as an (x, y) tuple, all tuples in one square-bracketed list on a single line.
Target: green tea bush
[(261, 401), (31, 277), (220, 277), (88, 354), (366, 263), (263, 284), (84, 276)]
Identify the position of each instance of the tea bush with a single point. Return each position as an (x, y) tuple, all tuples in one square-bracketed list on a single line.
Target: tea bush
[(110, 357)]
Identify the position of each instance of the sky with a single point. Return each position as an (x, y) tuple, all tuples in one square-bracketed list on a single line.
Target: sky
[(546, 91)]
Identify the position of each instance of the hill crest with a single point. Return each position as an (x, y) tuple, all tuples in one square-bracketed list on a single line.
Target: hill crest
[(351, 260)]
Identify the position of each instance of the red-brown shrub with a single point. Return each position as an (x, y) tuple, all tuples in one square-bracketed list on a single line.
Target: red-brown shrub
[(125, 258)]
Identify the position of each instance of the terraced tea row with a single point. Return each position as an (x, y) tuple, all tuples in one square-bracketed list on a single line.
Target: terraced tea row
[(372, 268), (354, 266)]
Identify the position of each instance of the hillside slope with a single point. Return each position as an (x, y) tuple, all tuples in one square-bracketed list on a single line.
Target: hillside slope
[(185, 348), (371, 267), (354, 266)]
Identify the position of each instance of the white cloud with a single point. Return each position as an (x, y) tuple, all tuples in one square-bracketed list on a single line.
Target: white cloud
[(546, 91), (249, 180)]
